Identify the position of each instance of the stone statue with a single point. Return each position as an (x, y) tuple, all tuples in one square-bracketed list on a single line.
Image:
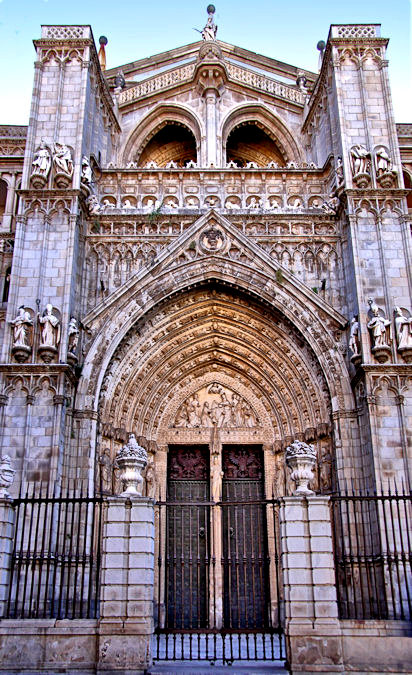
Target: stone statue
[(339, 171), (210, 30), (72, 336), (354, 344), (87, 174), (360, 160), (378, 326), (214, 408), (403, 329), (42, 161), (93, 205), (331, 204), (50, 331), (21, 327), (62, 159), (6, 476), (151, 480), (383, 161)]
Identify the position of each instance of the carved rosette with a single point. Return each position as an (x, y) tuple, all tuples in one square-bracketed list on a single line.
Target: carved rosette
[(301, 459), (6, 476), (131, 460)]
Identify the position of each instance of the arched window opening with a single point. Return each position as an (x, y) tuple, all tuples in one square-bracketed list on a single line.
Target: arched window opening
[(173, 143), (6, 285), (248, 143), (408, 186), (3, 197)]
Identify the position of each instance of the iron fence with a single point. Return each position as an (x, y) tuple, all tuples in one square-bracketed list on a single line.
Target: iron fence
[(218, 594), (56, 555), (373, 560)]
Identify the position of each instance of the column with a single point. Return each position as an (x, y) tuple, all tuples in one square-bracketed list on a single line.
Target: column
[(312, 627), (6, 546), (126, 600)]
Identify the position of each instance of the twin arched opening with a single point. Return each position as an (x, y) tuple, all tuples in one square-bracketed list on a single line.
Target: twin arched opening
[(173, 135)]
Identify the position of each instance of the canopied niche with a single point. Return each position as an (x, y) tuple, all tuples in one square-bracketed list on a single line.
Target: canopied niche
[(213, 362), (174, 142), (250, 143)]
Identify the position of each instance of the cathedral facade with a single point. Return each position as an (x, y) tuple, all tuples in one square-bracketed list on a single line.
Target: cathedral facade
[(206, 366)]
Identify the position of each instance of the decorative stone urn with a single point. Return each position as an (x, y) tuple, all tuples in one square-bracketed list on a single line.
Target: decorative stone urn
[(131, 460), (301, 458), (6, 475)]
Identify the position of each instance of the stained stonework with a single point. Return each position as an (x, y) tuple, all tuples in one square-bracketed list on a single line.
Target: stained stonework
[(208, 249)]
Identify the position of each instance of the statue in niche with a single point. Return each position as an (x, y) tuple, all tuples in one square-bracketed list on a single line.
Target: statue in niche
[(339, 172), (403, 329), (361, 160), (105, 473), (21, 328), (151, 480), (72, 336), (331, 205), (380, 331), (354, 344), (210, 30), (383, 161), (50, 328), (87, 174), (62, 159), (42, 161), (378, 325), (325, 473), (93, 205)]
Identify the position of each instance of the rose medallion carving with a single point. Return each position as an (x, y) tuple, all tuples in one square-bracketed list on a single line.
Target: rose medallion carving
[(212, 240)]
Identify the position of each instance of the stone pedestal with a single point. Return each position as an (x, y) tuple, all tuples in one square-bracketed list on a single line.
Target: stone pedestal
[(311, 612), (126, 606)]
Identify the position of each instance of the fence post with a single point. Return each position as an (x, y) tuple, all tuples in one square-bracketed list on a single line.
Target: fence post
[(312, 629), (7, 516), (127, 578)]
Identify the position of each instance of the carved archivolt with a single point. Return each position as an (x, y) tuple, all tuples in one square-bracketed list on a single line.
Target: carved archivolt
[(248, 364)]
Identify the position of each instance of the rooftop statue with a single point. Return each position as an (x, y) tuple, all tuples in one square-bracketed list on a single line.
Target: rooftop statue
[(210, 30)]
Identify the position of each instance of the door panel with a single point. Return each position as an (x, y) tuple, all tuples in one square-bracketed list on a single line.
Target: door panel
[(187, 559), (245, 560)]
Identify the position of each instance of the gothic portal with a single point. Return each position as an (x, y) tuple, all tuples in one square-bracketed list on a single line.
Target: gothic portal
[(206, 328)]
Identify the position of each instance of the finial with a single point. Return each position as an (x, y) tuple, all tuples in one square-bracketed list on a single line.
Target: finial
[(102, 53), (321, 48)]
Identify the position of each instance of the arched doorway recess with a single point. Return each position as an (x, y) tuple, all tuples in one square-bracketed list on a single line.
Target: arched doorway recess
[(212, 366), (216, 385)]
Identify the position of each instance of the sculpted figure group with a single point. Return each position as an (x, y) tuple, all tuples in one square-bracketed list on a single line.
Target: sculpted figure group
[(216, 411), (380, 331), (49, 330)]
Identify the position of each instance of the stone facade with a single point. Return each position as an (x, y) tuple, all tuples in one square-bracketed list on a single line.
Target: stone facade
[(206, 248)]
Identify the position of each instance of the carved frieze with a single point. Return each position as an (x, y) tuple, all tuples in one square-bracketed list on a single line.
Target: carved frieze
[(216, 406)]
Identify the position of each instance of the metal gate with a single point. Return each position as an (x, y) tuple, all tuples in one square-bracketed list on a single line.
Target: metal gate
[(218, 595)]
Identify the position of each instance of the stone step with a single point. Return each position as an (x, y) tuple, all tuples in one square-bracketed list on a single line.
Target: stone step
[(199, 667)]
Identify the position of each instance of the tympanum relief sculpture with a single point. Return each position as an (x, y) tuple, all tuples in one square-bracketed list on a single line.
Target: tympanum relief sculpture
[(215, 406)]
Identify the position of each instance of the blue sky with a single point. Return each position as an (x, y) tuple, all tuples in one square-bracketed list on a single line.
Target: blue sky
[(287, 31)]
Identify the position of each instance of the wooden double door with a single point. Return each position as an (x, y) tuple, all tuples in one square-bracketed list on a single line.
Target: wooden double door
[(216, 551)]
